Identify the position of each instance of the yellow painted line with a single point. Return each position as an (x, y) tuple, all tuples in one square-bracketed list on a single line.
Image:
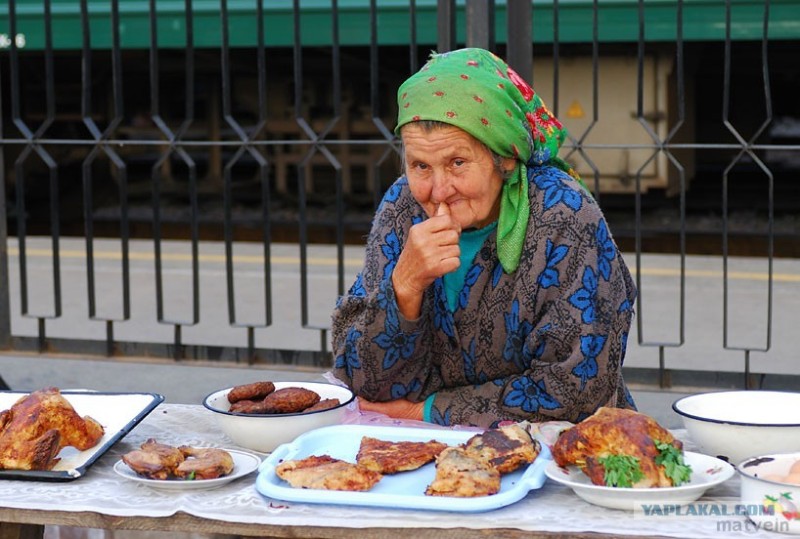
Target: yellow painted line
[(357, 263), (737, 275), (183, 257)]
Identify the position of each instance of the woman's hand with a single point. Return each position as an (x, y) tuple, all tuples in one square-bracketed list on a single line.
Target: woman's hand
[(399, 409), (431, 251)]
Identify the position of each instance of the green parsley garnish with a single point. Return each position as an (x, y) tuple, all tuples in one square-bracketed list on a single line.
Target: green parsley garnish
[(621, 470), (191, 476), (671, 458)]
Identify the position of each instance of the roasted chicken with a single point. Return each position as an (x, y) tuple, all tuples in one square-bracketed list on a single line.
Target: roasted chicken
[(611, 444), (38, 426)]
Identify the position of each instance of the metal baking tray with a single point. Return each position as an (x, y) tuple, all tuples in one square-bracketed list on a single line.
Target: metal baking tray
[(404, 490), (119, 413)]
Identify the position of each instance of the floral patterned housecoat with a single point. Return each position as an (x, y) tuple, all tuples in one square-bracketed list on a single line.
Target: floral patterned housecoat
[(546, 342)]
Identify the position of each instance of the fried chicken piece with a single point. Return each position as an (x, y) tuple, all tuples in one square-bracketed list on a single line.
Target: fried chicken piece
[(392, 457), (204, 463), (38, 426), (290, 400), (154, 460), (505, 448), (324, 404), (615, 431), (463, 475), (328, 473), (254, 392)]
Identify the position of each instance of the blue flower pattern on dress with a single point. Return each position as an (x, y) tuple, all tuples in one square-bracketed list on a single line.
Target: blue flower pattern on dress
[(517, 332), (348, 360), (399, 391), (606, 250), (585, 298), (393, 193), (530, 395), (393, 341), (556, 191), (591, 346), (539, 352), (442, 317), (358, 289), (469, 281), (469, 365), (391, 250), (437, 418), (382, 297), (496, 274), (553, 255)]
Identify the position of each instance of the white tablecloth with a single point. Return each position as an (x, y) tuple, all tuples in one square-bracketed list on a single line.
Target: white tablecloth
[(551, 508)]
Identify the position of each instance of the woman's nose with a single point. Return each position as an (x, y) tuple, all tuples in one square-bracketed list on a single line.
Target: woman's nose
[(442, 186)]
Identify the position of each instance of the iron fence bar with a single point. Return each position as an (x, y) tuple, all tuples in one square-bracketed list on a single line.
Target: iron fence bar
[(412, 38), (245, 148), (519, 45), (725, 184), (119, 164), (5, 280), (33, 146), (480, 24), (662, 345), (556, 61), (579, 144), (446, 25), (746, 146), (174, 147), (301, 179)]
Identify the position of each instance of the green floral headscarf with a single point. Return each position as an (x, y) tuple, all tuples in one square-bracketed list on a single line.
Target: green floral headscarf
[(475, 90)]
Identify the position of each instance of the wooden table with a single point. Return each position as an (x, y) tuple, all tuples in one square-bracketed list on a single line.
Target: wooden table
[(101, 499)]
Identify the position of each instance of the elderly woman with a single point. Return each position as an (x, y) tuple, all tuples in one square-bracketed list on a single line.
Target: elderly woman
[(492, 289)]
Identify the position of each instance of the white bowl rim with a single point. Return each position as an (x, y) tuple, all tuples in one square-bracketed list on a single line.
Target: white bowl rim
[(758, 460), (308, 385), (676, 408)]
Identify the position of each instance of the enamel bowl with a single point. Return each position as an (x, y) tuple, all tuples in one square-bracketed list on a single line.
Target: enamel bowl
[(265, 432), (771, 491), (735, 425)]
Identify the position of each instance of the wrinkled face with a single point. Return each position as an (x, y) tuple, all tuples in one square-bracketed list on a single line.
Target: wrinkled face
[(447, 164)]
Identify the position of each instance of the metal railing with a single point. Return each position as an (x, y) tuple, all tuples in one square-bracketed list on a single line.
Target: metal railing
[(156, 136)]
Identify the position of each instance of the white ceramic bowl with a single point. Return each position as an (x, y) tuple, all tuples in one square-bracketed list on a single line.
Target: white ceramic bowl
[(265, 432), (735, 425), (771, 503)]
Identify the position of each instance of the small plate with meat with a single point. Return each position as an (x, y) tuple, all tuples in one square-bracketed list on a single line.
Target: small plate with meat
[(185, 468), (706, 472)]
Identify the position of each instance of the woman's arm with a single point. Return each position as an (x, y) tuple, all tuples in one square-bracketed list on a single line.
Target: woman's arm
[(378, 352)]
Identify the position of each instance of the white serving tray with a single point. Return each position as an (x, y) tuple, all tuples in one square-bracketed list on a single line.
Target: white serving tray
[(119, 413), (405, 490)]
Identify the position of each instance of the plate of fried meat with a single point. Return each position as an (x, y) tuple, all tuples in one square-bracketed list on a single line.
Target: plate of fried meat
[(184, 467), (406, 467)]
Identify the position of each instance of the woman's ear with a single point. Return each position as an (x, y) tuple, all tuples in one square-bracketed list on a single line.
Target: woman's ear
[(509, 164)]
